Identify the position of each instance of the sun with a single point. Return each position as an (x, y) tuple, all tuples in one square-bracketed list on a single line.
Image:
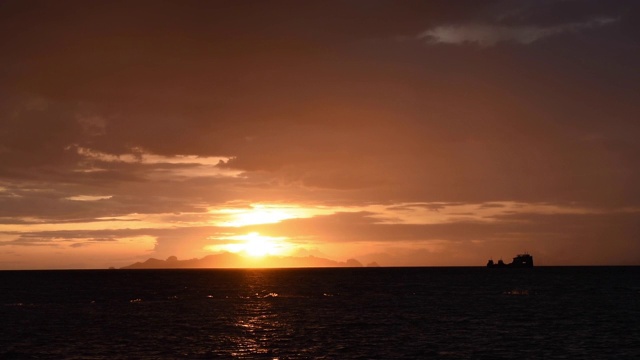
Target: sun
[(254, 245), (257, 245)]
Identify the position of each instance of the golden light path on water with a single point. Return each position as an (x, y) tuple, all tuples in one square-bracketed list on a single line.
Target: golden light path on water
[(257, 321)]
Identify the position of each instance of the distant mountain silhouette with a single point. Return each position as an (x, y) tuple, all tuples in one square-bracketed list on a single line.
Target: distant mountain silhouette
[(230, 260)]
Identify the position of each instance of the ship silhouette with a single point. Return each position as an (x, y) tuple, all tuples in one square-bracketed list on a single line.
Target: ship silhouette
[(520, 261)]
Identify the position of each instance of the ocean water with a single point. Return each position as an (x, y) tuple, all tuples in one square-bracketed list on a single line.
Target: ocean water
[(347, 313)]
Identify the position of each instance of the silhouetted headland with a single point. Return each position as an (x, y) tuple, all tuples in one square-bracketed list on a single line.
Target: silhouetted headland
[(230, 260), (520, 261)]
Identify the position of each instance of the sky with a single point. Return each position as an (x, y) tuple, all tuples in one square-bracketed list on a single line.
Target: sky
[(409, 133)]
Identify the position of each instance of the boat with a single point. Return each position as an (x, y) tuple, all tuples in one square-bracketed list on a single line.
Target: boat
[(520, 261)]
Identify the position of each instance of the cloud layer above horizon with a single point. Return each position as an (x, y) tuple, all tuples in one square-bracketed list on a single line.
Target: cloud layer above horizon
[(489, 35), (412, 133)]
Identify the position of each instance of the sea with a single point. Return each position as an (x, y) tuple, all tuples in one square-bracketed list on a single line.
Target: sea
[(322, 313)]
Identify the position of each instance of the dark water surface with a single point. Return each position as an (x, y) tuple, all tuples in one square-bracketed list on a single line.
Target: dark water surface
[(349, 313)]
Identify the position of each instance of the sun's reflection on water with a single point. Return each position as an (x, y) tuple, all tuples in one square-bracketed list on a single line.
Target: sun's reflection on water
[(258, 324)]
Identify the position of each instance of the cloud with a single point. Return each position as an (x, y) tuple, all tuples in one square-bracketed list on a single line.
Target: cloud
[(429, 145), (486, 35), (553, 236), (89, 197)]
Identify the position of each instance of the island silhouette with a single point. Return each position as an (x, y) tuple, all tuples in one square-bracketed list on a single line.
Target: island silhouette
[(232, 260)]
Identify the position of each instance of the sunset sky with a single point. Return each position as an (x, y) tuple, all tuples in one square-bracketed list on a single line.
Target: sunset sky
[(410, 133)]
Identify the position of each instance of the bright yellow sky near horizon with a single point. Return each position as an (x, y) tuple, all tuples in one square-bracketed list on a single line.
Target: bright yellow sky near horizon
[(268, 229)]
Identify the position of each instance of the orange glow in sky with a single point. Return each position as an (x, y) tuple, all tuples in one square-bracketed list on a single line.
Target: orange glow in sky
[(265, 214), (402, 133), (253, 244)]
